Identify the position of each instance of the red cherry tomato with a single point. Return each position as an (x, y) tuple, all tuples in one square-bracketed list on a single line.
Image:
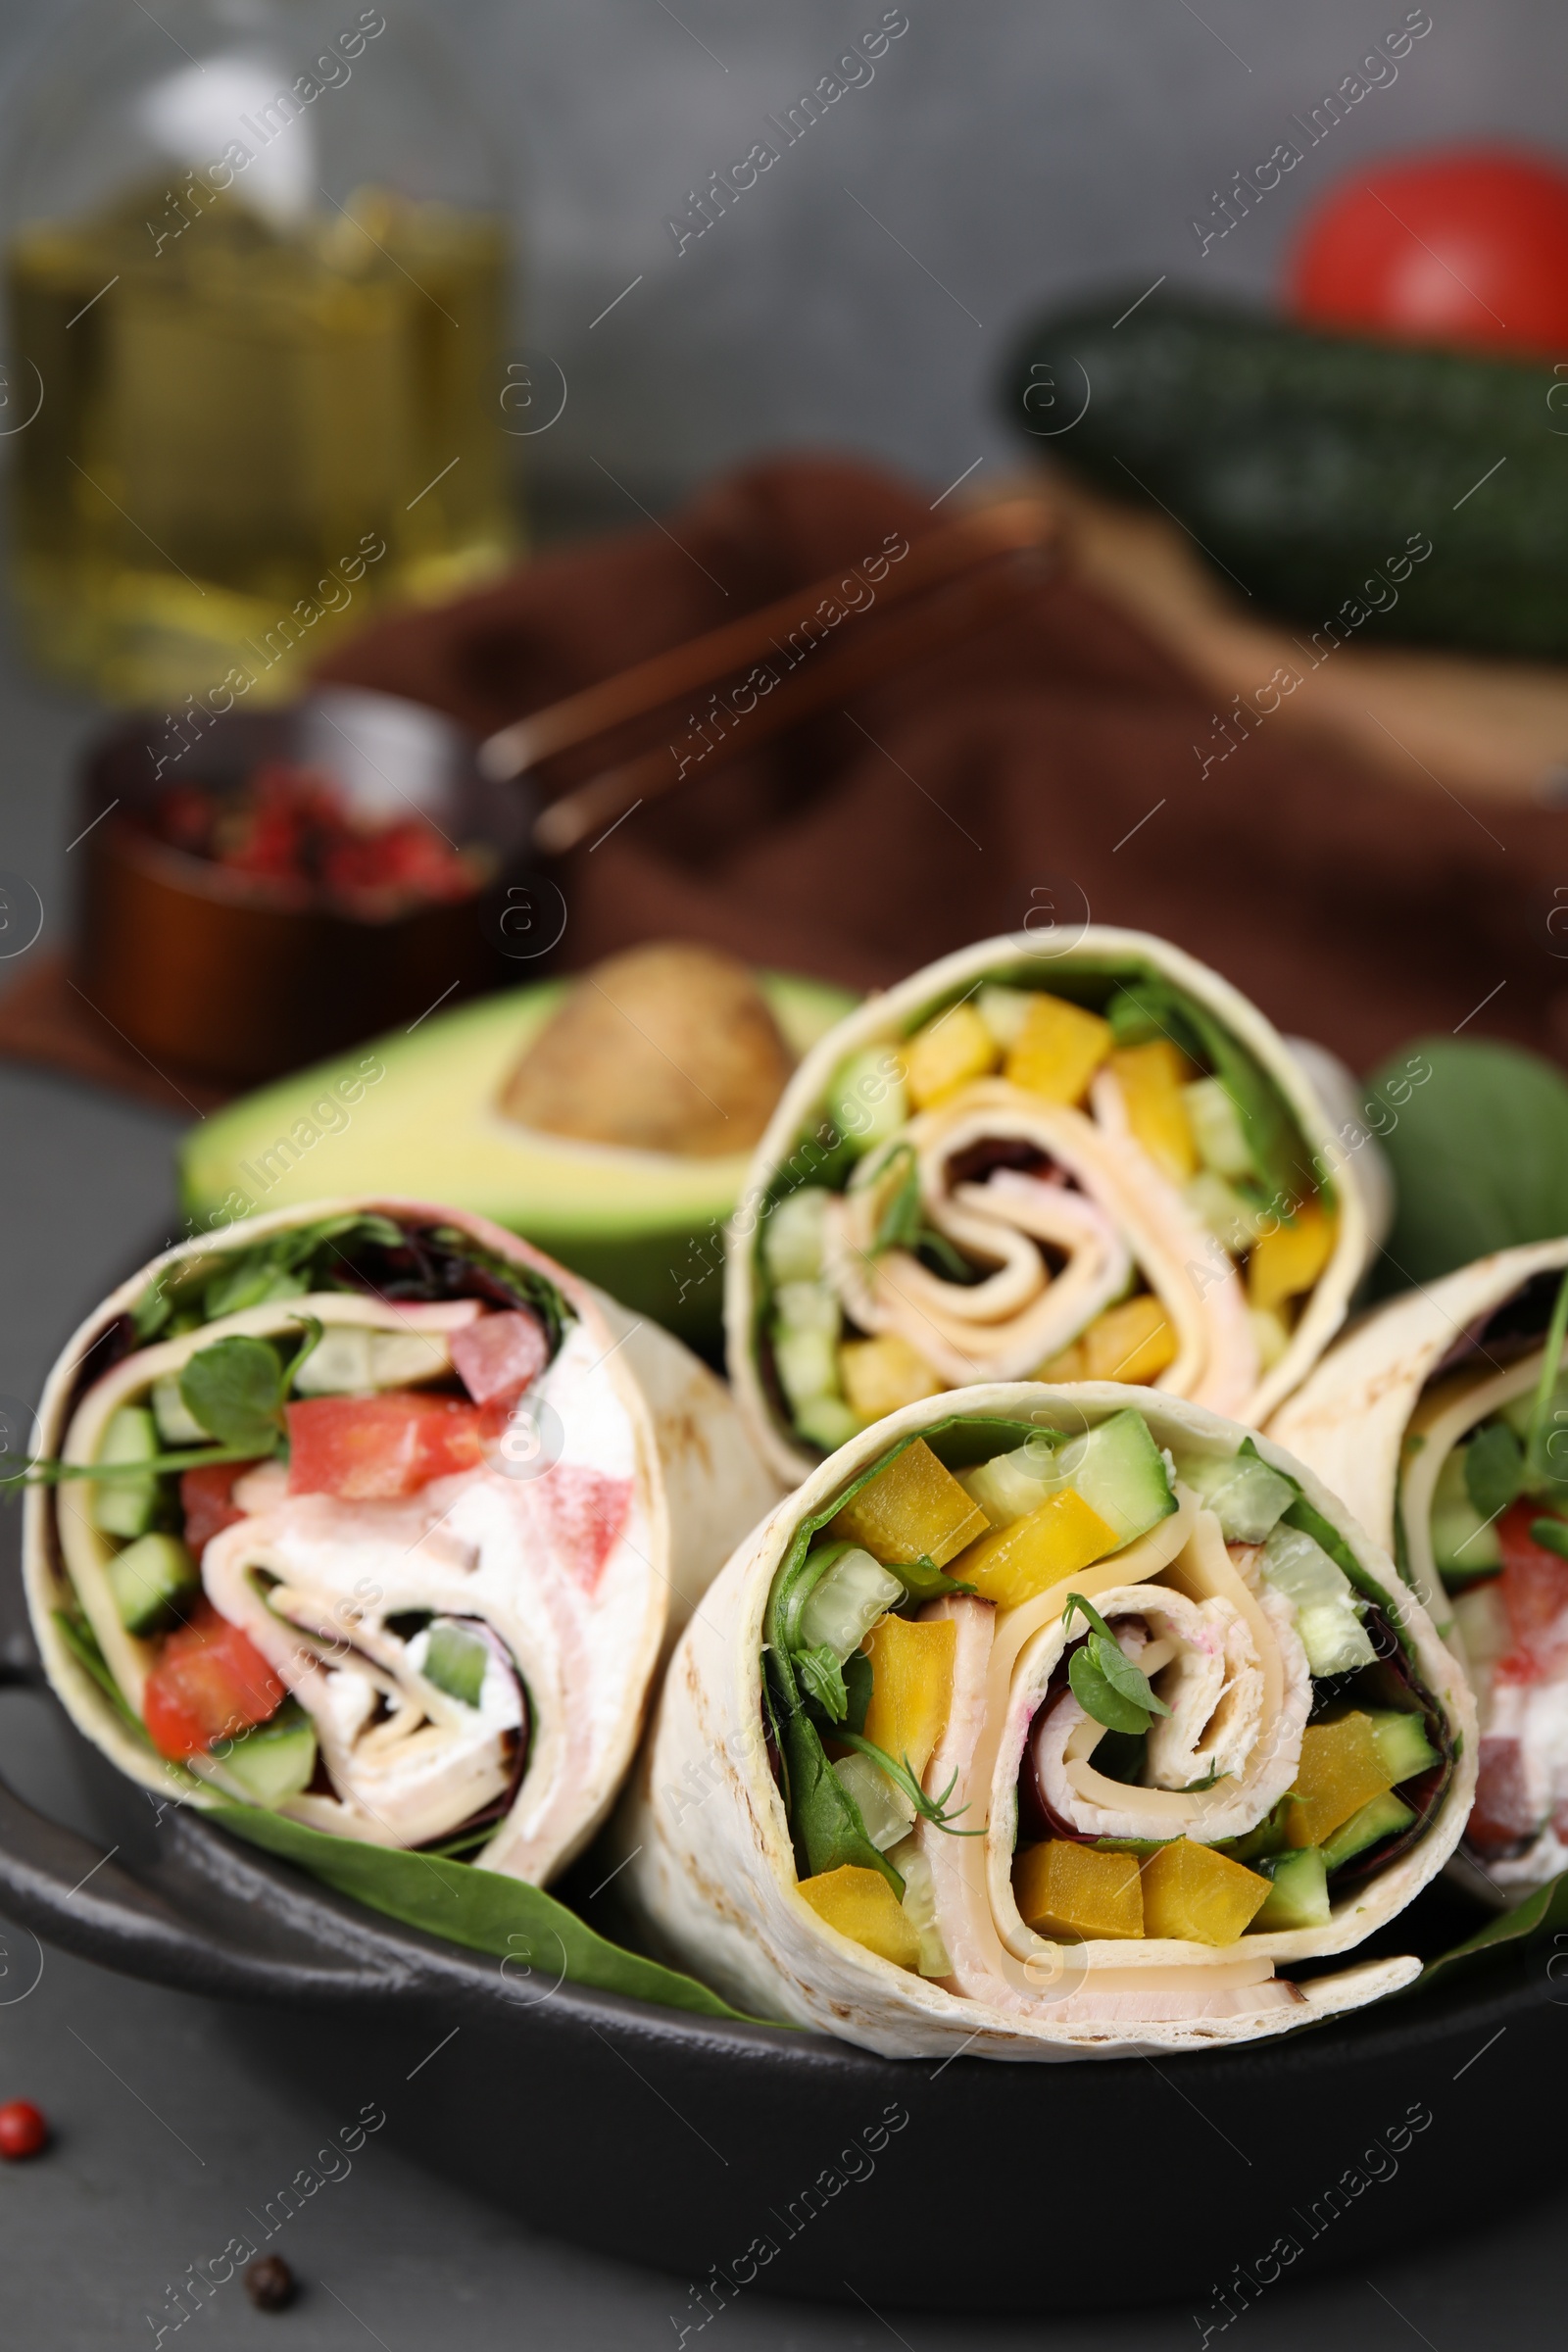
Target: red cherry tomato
[(207, 1499), (211, 1683), (23, 2130), (1467, 247), (1534, 1586), (375, 1448)]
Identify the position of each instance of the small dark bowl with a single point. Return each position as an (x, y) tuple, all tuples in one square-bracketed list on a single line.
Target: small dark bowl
[(237, 980)]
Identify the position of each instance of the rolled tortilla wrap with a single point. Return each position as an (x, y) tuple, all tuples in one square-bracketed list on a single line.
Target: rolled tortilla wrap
[(1438, 1422), (1315, 1754), (471, 1505), (1097, 1163)]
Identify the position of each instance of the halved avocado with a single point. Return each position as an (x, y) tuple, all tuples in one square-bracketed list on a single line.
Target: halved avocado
[(421, 1114)]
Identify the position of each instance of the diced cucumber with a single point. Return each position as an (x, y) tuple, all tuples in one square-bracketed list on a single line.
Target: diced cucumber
[(826, 1421), (275, 1760), (1462, 1544), (1245, 1495), (1234, 1222), (338, 1365), (793, 1236), (1270, 1333), (914, 1867), (125, 1507), (148, 1578), (1331, 1632), (883, 1806), (808, 1306), (1519, 1411), (1481, 1616), (1012, 1485), (1121, 1474), (1270, 1837), (1299, 1896), (1383, 1817), (352, 1361), (1217, 1129), (1403, 1748), (177, 1425), (806, 1363), (455, 1660), (845, 1603), (1004, 1011), (403, 1359), (865, 1103)]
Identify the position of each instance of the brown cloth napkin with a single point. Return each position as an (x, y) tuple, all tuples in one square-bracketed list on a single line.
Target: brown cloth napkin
[(1047, 765)]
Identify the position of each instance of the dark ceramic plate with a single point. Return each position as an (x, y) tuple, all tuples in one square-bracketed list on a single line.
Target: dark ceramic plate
[(749, 2159)]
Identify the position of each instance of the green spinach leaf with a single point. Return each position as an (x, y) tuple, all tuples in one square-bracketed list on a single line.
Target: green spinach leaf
[(822, 1677), (238, 1387), (1494, 1469), (235, 1390), (1104, 1679), (1478, 1154), (1537, 1924), (544, 1941)]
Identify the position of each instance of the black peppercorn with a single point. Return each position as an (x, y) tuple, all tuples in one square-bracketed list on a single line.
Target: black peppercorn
[(270, 2283)]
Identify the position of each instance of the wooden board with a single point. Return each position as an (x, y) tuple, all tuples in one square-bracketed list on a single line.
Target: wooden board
[(1465, 723), (45, 1019)]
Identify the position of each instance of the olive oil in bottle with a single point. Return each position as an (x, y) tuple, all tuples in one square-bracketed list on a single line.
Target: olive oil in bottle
[(250, 429)]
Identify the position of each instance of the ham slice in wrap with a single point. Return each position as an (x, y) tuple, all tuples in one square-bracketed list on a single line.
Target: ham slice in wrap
[(1036, 1160), (1443, 1421), (1050, 1723), (422, 1513)]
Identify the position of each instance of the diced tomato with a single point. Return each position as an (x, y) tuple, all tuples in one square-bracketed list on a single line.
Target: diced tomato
[(587, 1511), (1502, 1813), (375, 1448), (500, 1356), (211, 1683), (1534, 1592), (207, 1499)]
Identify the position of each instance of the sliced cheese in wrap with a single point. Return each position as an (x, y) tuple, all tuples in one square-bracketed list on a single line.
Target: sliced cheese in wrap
[(1443, 1424), (1037, 1160), (1050, 1723), (423, 1512)]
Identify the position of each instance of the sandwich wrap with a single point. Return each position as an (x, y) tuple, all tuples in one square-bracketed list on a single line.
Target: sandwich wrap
[(405, 1517), (1046, 1157), (1048, 1722), (1441, 1420)]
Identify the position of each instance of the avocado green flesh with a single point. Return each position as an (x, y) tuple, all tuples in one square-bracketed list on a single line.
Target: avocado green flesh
[(645, 1226)]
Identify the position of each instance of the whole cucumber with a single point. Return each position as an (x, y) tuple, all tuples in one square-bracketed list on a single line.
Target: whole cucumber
[(1322, 471)]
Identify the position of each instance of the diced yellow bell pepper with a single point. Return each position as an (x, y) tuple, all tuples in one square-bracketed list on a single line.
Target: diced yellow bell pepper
[(1152, 1077), (947, 1054), (1341, 1771), (1131, 1341), (912, 1685), (881, 1374), (1204, 1897), (1288, 1261), (1071, 1891), (861, 1905), (1058, 1538), (1058, 1049), (912, 1509)]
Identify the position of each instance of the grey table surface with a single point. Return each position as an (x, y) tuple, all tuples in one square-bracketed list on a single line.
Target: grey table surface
[(175, 2126)]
